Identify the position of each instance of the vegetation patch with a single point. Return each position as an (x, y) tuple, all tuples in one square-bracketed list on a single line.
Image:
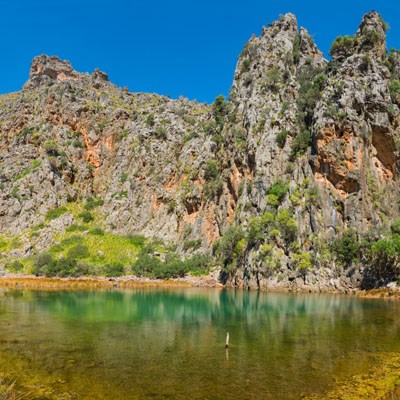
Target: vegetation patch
[(57, 212), (379, 383)]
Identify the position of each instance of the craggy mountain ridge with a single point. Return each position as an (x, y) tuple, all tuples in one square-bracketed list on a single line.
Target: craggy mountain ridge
[(292, 182)]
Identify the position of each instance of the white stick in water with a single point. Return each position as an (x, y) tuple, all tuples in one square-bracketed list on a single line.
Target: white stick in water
[(227, 340)]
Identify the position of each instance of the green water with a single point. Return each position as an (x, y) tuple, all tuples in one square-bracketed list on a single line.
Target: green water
[(170, 343)]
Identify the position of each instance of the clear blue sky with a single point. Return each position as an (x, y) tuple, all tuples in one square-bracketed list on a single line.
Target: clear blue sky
[(175, 47)]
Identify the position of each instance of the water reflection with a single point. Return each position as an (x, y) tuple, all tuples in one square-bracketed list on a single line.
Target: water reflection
[(171, 343)]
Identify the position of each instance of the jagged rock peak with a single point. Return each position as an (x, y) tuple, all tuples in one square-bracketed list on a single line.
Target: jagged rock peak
[(286, 22), (370, 39), (372, 34), (276, 54), (372, 21), (47, 70), (309, 49), (100, 75)]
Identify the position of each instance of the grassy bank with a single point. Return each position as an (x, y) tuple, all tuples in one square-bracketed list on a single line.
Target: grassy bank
[(89, 248), (93, 283)]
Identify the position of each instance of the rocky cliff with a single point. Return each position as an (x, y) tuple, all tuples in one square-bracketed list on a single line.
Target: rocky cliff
[(302, 158)]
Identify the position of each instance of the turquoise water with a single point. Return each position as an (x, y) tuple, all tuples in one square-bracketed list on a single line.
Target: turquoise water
[(170, 343)]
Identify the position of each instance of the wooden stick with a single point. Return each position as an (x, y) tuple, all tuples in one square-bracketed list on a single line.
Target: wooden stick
[(227, 340)]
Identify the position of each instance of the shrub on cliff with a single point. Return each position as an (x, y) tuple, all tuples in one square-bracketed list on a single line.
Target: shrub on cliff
[(231, 247), (281, 139), (347, 248), (301, 142), (342, 43), (394, 90), (220, 110), (93, 203), (57, 212), (86, 216), (277, 192)]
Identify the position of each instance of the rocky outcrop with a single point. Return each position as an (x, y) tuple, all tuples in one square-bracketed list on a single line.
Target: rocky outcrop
[(47, 70), (304, 150)]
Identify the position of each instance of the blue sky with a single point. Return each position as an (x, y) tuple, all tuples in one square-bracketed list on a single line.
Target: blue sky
[(174, 47)]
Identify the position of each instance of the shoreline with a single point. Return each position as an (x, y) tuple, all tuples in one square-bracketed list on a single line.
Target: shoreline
[(97, 282), (14, 281)]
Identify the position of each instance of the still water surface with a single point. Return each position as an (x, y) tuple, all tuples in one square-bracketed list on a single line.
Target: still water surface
[(170, 343)]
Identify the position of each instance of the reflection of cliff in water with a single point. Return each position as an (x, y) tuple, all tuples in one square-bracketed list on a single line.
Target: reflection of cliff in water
[(173, 340)]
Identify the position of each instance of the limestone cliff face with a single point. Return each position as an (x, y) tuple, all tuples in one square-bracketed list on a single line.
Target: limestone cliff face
[(303, 150), (348, 176)]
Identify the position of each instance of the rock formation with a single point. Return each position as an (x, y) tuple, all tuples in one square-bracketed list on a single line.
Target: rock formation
[(304, 151)]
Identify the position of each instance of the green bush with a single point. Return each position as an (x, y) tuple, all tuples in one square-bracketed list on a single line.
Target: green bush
[(311, 80), (114, 269), (342, 43), (245, 65), (278, 190), (386, 256), (137, 240), (173, 267), (71, 240), (213, 189), (248, 80), (231, 247), (78, 251), (394, 90), (370, 38), (145, 264), (302, 262), (347, 248), (199, 264), (86, 216), (395, 227), (286, 225), (45, 265), (149, 265), (123, 177), (66, 267), (15, 266), (273, 78), (210, 128), (171, 206), (392, 61), (220, 110), (123, 134), (301, 142), (150, 120), (161, 133), (93, 203), (258, 226), (42, 263), (97, 231), (296, 53), (75, 227), (192, 244), (281, 138), (211, 170), (51, 148), (53, 214)]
